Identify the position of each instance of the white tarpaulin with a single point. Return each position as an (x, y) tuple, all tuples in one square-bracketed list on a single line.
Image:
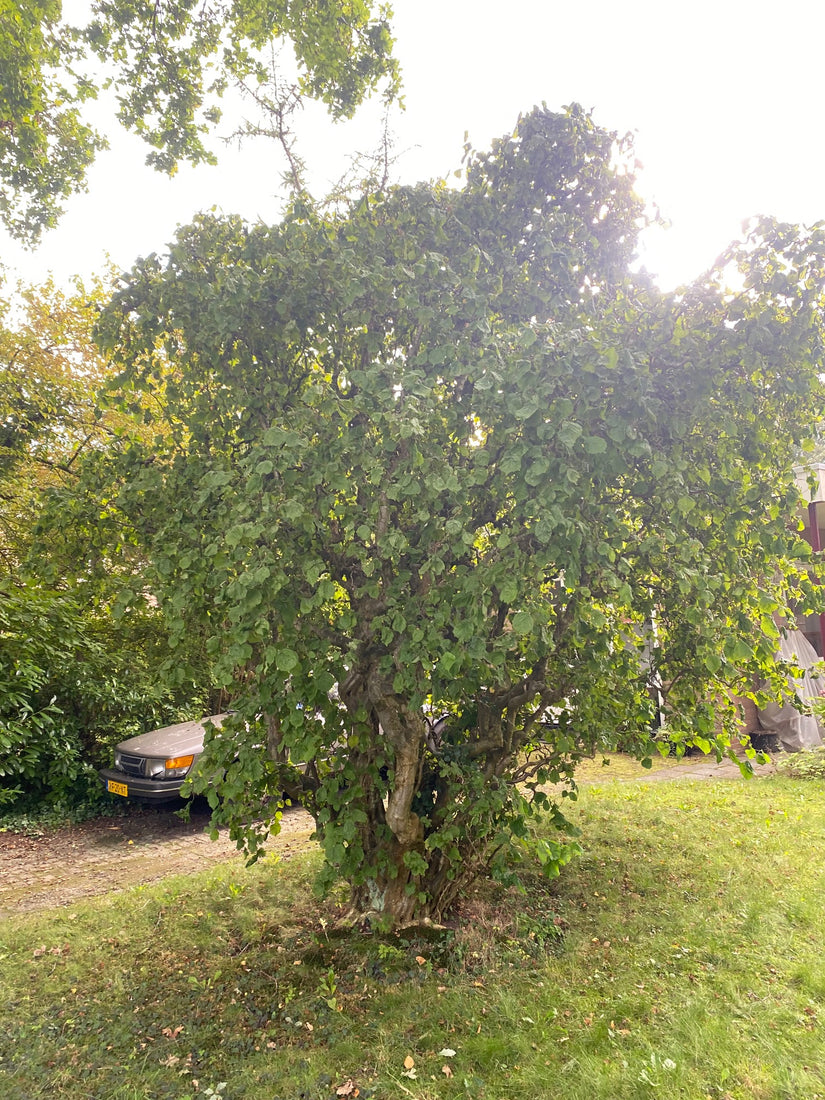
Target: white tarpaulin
[(796, 731)]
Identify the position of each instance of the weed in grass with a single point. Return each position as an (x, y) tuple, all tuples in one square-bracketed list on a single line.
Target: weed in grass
[(327, 988), (809, 764)]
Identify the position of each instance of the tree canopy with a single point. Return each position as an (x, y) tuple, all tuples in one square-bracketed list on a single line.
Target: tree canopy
[(50, 373), (168, 65), (456, 498)]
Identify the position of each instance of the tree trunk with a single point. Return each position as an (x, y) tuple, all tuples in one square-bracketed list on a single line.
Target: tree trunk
[(386, 900)]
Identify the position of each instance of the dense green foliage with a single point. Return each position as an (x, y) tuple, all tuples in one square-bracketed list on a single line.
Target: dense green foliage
[(72, 683), (445, 451), (169, 65), (45, 146), (72, 679)]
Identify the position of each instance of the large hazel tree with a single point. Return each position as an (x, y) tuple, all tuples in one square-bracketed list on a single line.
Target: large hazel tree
[(456, 498)]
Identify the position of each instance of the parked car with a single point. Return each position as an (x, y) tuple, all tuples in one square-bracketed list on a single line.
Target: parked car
[(152, 767)]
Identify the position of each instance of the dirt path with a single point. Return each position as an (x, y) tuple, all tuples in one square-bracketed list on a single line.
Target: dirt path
[(109, 854), (693, 767)]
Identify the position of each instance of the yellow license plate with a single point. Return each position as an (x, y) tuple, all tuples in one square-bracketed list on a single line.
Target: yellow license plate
[(117, 788)]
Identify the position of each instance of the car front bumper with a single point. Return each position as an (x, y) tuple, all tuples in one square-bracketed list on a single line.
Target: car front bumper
[(140, 789)]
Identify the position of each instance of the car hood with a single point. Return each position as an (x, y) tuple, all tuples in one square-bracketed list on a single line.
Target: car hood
[(182, 739)]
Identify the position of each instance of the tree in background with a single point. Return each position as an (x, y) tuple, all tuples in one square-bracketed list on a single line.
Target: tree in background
[(50, 373), (73, 679), (449, 492), (169, 65)]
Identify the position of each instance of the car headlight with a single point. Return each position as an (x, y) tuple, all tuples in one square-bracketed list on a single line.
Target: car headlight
[(173, 767)]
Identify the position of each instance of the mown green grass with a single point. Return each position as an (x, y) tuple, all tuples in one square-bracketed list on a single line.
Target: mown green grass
[(681, 955)]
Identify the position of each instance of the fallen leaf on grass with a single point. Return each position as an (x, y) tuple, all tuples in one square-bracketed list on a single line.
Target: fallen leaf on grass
[(349, 1088), (446, 1053), (409, 1062), (446, 1071), (172, 1032)]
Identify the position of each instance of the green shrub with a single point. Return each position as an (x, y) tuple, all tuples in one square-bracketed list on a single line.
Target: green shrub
[(809, 764), (74, 682)]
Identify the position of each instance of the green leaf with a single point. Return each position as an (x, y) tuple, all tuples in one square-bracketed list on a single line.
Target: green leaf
[(522, 622), (742, 651), (595, 445), (509, 591), (569, 432), (712, 662), (286, 660)]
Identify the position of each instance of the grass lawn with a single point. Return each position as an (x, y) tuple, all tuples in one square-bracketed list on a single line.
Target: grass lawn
[(681, 955)]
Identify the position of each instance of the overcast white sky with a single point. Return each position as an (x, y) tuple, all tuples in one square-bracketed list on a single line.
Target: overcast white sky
[(725, 99)]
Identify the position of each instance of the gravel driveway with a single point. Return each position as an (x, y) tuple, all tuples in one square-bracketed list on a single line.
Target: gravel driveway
[(108, 854)]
